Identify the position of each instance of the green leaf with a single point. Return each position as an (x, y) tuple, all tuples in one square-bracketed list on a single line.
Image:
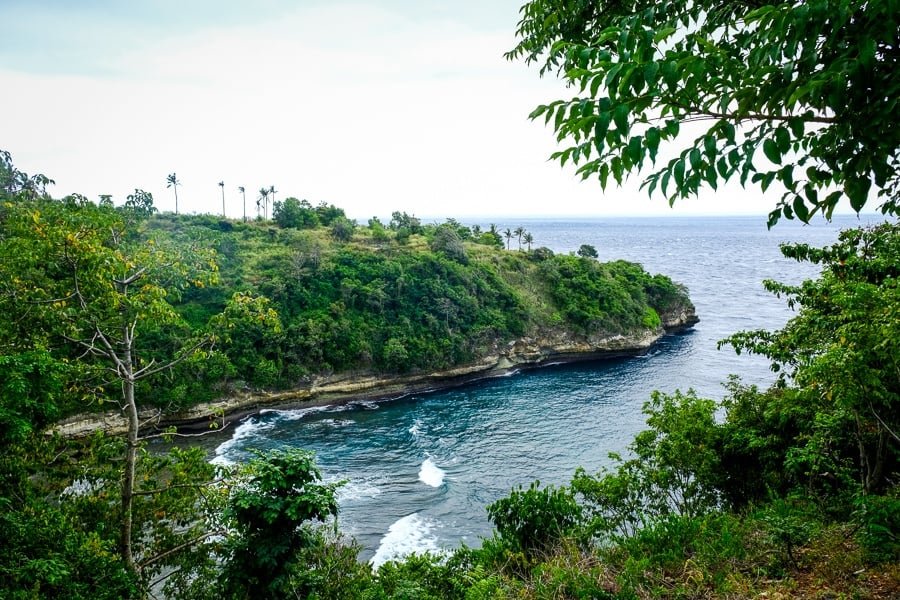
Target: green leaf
[(652, 139), (696, 158), (663, 33), (722, 167), (537, 112), (770, 149), (710, 146), (783, 139), (679, 172), (651, 70), (800, 209), (604, 175), (596, 82), (620, 117), (728, 132), (635, 151)]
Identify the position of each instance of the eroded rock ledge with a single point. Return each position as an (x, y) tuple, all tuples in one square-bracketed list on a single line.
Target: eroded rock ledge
[(524, 353)]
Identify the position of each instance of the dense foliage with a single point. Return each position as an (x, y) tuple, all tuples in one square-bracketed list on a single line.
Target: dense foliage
[(125, 307), (294, 304), (799, 93), (790, 491)]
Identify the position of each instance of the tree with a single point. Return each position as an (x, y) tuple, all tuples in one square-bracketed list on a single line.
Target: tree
[(508, 235), (295, 213), (263, 201), (587, 251), (244, 196), (272, 513), (447, 241), (272, 193), (139, 204), (529, 239), (222, 185), (14, 181), (802, 94), (342, 229), (405, 221), (85, 283), (172, 182), (519, 232), (840, 355)]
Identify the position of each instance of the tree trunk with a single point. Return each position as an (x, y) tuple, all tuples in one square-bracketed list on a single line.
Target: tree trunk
[(131, 414)]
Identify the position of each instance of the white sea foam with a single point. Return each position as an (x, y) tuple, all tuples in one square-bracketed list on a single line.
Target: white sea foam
[(508, 373), (357, 490), (411, 534), (416, 428), (337, 422), (431, 474), (295, 414), (248, 429)]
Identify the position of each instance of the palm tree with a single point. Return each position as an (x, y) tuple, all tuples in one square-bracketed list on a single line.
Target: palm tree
[(508, 235), (272, 191), (222, 185), (264, 198), (172, 182), (529, 239), (244, 196), (519, 232)]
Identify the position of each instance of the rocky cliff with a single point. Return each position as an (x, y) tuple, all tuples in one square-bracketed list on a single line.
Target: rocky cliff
[(549, 346)]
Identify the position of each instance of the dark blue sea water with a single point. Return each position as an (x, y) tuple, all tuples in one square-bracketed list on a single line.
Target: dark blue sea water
[(421, 469)]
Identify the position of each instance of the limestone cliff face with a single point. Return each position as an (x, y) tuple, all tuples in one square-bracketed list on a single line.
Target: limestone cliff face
[(547, 346)]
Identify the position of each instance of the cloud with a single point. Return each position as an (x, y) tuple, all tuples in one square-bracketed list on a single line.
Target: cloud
[(371, 106)]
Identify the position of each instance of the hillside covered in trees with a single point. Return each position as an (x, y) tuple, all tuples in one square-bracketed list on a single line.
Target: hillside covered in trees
[(273, 305), (789, 491)]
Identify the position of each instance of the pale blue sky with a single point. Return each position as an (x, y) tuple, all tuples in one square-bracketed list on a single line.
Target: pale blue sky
[(373, 106)]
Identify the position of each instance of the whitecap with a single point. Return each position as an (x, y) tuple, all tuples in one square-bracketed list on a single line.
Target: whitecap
[(431, 474), (411, 534), (247, 429), (357, 490), (416, 429), (337, 422), (294, 414)]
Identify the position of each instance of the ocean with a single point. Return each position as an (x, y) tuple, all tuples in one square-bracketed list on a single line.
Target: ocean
[(421, 469)]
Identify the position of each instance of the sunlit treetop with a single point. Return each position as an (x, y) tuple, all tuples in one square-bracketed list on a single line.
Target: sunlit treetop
[(799, 94)]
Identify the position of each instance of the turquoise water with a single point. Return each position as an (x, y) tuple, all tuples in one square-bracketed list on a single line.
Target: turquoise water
[(421, 469)]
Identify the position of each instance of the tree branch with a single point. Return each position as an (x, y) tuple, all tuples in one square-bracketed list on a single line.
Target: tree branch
[(147, 371), (154, 559), (702, 115), (883, 424), (176, 486), (186, 435)]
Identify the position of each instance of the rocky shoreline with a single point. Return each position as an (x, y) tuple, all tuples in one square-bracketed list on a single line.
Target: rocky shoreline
[(552, 347)]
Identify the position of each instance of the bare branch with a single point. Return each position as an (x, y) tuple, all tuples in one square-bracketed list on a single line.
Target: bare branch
[(186, 435), (883, 424), (134, 277), (176, 486), (154, 559), (186, 353)]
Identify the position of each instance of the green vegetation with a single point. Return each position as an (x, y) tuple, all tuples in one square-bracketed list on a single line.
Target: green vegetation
[(320, 295), (798, 93), (790, 491), (124, 307)]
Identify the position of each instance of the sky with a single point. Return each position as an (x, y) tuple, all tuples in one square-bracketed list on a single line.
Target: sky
[(373, 106)]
